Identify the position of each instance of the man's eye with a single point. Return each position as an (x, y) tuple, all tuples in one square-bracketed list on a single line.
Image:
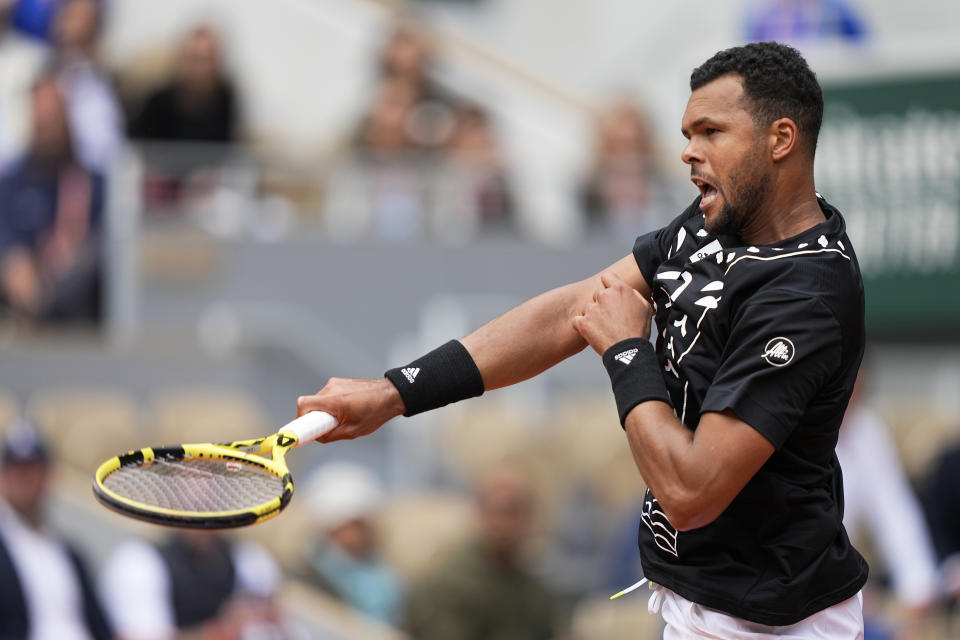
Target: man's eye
[(709, 131)]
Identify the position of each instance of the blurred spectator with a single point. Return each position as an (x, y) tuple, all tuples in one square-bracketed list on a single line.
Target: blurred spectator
[(474, 189), (196, 584), (380, 187), (199, 103), (95, 115), (878, 498), (942, 506), (45, 590), (406, 58), (407, 102), (483, 591), (344, 560), (21, 61), (619, 194), (50, 250), (801, 21), (385, 129), (384, 186)]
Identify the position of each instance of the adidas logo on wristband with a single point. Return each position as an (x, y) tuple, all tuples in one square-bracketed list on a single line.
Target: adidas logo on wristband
[(626, 357), (410, 373)]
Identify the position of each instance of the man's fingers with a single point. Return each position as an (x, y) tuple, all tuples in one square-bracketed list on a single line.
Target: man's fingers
[(580, 326), (611, 280), (302, 405)]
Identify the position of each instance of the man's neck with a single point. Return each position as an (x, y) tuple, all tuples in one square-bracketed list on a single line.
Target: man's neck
[(791, 210)]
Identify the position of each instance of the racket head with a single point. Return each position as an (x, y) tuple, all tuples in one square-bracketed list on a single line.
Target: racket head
[(199, 486)]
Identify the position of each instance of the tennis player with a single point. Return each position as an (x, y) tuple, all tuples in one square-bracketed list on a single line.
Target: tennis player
[(733, 418)]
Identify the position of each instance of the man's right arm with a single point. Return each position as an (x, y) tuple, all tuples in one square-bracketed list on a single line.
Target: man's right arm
[(536, 335), (513, 347)]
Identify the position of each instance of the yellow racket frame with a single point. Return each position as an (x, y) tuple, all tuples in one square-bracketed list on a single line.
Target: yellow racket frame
[(247, 451)]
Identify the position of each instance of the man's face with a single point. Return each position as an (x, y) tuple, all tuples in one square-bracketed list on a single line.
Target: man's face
[(727, 154)]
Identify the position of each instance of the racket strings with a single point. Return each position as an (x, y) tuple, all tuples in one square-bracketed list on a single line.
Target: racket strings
[(198, 485)]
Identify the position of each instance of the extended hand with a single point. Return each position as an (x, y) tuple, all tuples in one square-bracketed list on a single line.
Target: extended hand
[(360, 406), (618, 312)]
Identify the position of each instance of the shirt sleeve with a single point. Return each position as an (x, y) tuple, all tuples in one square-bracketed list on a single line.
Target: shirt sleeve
[(783, 347), (653, 249)]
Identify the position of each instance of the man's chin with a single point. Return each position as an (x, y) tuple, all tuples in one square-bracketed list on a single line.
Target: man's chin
[(718, 223)]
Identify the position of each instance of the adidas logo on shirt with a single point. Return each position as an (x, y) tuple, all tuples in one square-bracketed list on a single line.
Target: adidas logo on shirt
[(626, 357), (410, 373)]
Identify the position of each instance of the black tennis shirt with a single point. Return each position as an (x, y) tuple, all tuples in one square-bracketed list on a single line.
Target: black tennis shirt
[(774, 333)]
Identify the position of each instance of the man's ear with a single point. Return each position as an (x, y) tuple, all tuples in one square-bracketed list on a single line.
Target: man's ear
[(784, 138)]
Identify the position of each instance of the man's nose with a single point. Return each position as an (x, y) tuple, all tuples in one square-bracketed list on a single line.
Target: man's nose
[(691, 154)]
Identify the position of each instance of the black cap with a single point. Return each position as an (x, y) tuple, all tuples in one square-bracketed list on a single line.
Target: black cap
[(22, 443)]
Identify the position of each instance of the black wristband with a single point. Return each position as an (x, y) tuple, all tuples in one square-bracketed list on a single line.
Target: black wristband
[(446, 374), (635, 375)]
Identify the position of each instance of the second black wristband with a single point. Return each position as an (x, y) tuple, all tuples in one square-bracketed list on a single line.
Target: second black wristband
[(635, 375)]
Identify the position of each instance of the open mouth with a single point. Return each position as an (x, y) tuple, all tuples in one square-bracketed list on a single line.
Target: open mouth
[(708, 192)]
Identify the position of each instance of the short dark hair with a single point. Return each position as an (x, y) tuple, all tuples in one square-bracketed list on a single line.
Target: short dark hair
[(777, 81)]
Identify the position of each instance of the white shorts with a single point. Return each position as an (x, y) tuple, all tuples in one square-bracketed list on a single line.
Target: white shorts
[(687, 620)]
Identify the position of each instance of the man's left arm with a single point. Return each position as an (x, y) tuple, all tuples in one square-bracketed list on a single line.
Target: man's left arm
[(695, 475), (784, 346)]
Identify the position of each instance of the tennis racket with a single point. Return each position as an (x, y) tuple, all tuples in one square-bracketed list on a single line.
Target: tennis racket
[(208, 486)]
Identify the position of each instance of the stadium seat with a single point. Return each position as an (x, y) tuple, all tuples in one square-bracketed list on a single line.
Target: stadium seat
[(484, 433), (86, 424), (599, 618), (920, 432), (590, 448), (416, 530), (288, 536), (322, 616), (206, 415)]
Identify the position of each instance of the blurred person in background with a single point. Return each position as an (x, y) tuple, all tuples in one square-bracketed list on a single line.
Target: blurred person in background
[(383, 186), (195, 585), (879, 501), (344, 559), (199, 103), (941, 502), (619, 194), (380, 187), (45, 590), (484, 590), (96, 118), (50, 223), (473, 189), (21, 62), (406, 57)]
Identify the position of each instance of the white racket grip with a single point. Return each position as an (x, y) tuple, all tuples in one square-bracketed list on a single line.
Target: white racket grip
[(311, 426)]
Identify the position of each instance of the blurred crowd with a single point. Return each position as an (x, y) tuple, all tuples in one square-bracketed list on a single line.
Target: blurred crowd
[(527, 545), (422, 161)]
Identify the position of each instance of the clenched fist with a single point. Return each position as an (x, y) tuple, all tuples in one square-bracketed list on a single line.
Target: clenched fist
[(618, 312)]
